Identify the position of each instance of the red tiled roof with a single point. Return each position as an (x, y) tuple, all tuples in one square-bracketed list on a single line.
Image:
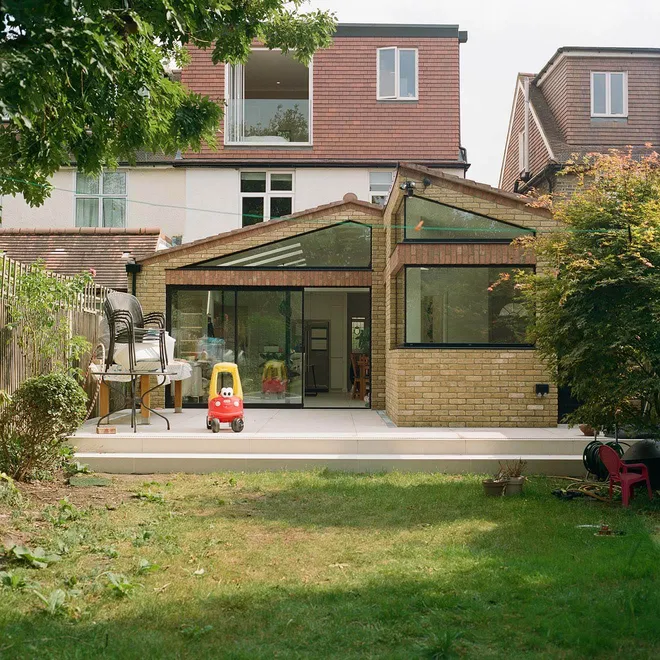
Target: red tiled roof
[(71, 251)]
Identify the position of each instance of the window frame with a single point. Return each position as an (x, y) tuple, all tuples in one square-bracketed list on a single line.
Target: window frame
[(269, 145), (501, 241), (268, 193), (608, 95), (455, 345), (100, 196), (381, 193), (397, 75)]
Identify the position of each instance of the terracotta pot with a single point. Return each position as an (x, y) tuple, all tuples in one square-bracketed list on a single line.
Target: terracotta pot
[(586, 429), (493, 488), (514, 486)]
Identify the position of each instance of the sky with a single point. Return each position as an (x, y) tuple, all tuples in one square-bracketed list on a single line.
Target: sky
[(505, 37)]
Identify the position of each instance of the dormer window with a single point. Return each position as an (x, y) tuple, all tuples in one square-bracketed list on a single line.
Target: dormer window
[(397, 74), (609, 94)]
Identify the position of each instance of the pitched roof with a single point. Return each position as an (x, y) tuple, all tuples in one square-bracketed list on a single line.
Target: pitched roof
[(71, 251), (350, 200)]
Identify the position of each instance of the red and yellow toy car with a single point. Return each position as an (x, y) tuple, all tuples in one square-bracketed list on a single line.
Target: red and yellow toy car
[(225, 403)]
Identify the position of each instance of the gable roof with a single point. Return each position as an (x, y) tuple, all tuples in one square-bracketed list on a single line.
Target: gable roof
[(350, 201), (71, 251)]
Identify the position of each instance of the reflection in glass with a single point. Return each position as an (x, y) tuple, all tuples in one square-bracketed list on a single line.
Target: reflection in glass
[(447, 305), (407, 73), (599, 93), (387, 72)]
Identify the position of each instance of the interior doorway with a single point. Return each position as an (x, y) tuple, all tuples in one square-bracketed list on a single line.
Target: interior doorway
[(337, 330)]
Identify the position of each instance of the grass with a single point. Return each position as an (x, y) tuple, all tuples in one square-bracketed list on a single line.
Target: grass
[(326, 565)]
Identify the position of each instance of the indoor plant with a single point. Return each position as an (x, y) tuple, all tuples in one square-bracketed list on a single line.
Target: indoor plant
[(512, 474)]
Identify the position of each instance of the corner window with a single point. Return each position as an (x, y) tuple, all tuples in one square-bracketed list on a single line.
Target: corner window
[(609, 94), (397, 74), (101, 200), (461, 305), (268, 100), (380, 184), (265, 196)]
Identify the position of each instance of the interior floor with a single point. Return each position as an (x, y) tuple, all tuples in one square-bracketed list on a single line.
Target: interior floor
[(333, 400)]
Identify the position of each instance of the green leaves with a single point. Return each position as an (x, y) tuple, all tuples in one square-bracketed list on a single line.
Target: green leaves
[(55, 601), (36, 558), (72, 77)]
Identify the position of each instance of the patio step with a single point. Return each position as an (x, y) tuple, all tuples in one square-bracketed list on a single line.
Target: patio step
[(122, 462)]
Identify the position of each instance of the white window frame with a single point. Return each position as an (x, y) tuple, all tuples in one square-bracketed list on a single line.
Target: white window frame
[(269, 193), (397, 78), (380, 193), (274, 145), (100, 196), (608, 94)]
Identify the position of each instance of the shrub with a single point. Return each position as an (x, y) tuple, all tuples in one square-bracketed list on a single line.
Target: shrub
[(34, 425)]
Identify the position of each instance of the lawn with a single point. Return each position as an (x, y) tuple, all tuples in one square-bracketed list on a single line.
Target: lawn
[(326, 565)]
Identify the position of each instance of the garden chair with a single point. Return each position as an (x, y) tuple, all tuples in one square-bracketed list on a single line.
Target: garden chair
[(619, 473)]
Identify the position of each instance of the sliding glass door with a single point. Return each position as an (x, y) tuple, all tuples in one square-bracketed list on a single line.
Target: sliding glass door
[(259, 329)]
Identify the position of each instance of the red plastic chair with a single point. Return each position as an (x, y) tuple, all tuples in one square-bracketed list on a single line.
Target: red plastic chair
[(619, 473)]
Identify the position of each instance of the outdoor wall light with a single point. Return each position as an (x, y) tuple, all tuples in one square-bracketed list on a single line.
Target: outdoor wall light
[(408, 187), (542, 389)]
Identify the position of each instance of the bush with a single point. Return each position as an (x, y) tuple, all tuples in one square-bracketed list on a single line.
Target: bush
[(35, 424)]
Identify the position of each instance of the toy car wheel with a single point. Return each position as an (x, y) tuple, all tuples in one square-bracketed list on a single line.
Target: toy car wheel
[(215, 425), (208, 423), (237, 425)]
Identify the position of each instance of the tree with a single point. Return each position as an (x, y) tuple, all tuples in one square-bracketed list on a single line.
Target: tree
[(85, 80), (595, 308)]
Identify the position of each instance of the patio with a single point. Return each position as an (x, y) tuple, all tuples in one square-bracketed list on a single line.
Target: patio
[(353, 440)]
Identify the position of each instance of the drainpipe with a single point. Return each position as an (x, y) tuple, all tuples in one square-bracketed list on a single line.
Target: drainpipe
[(526, 133), (134, 269)]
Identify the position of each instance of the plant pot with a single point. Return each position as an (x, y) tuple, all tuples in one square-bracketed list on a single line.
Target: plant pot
[(586, 429), (514, 486), (493, 488)]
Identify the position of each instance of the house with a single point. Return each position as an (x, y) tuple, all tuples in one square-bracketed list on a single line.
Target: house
[(445, 345), (584, 100), (105, 251), (293, 137)]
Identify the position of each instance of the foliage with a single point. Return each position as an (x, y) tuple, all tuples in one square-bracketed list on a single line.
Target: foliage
[(55, 601), (85, 80), (9, 493), (11, 580), (35, 558), (595, 307), (39, 318), (43, 412), (63, 514), (119, 585), (290, 123)]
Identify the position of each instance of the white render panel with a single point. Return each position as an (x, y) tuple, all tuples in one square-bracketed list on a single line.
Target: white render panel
[(212, 200), (320, 185)]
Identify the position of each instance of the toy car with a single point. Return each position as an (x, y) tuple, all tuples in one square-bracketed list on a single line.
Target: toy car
[(225, 404), (274, 378)]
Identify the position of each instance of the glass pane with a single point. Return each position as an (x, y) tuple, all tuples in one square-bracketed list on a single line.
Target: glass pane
[(386, 76), (346, 245), (279, 181), (407, 73), (380, 181), (114, 183), (616, 90), (114, 212), (87, 212), (598, 93), (253, 182), (455, 306), (280, 206), (381, 200), (203, 324), (270, 346), (253, 210), (429, 220), (87, 185)]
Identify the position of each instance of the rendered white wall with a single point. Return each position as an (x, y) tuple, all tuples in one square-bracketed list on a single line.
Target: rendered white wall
[(319, 185), (212, 198)]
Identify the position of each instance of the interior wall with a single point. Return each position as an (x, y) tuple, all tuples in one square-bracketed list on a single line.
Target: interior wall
[(331, 306)]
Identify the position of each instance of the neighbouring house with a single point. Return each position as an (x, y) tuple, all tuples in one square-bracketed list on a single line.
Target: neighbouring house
[(412, 286), (102, 250), (293, 137), (584, 100)]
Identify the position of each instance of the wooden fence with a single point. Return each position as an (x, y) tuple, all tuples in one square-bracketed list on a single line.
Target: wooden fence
[(83, 318)]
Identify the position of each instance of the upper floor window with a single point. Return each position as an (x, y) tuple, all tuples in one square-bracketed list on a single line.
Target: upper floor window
[(101, 200), (265, 196), (397, 74), (268, 100), (380, 184), (609, 94)]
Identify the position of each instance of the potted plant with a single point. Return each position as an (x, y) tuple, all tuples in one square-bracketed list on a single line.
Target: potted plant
[(513, 477), (495, 487)]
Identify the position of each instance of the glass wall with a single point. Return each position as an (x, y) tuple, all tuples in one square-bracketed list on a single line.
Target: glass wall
[(460, 305), (260, 330)]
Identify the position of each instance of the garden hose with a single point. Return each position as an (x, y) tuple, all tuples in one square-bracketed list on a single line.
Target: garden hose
[(591, 457)]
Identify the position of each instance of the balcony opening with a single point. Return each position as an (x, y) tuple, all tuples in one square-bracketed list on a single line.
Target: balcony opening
[(268, 100)]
